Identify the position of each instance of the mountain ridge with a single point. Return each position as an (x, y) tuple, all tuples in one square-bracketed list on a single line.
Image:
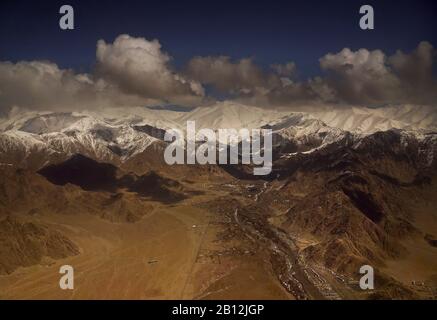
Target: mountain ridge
[(36, 139)]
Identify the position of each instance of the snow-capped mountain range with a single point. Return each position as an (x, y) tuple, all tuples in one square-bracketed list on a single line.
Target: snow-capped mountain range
[(119, 134)]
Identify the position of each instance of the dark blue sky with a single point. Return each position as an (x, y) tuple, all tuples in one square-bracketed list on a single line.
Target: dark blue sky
[(268, 31)]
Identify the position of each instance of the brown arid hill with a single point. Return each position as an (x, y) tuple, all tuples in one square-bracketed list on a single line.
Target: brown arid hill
[(26, 192), (24, 244), (359, 206)]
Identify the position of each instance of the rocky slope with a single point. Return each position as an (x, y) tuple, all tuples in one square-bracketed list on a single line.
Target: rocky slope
[(24, 244)]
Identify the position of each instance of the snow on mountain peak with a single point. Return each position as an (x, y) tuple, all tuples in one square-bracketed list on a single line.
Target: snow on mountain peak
[(122, 133), (370, 120)]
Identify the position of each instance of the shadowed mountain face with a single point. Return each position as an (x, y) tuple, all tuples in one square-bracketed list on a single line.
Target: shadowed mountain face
[(88, 174), (365, 203), (91, 175), (154, 186), (152, 131)]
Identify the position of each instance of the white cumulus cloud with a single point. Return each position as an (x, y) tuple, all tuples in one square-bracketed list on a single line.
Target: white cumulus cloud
[(139, 66)]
